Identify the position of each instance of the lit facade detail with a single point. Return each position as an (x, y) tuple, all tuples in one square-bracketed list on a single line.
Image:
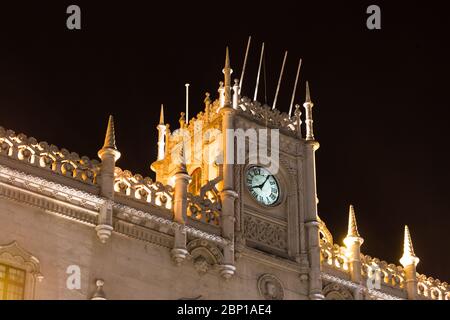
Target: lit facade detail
[(194, 230)]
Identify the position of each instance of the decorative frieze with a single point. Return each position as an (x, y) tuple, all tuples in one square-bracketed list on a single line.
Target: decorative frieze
[(142, 233), (265, 232)]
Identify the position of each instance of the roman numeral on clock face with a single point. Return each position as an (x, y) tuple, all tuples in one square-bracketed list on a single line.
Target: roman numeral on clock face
[(262, 185)]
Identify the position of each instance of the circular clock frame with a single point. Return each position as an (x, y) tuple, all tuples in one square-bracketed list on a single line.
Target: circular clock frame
[(277, 181)]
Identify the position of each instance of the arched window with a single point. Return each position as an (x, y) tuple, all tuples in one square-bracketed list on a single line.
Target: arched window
[(195, 185), (19, 271), (12, 283)]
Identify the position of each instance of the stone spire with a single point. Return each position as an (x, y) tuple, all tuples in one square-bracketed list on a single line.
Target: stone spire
[(409, 262), (161, 115), (308, 96), (353, 242), (308, 114), (352, 227), (110, 139), (109, 146), (352, 231), (227, 80), (409, 256), (162, 129), (109, 155)]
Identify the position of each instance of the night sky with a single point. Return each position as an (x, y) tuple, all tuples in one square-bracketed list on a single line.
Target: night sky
[(381, 96)]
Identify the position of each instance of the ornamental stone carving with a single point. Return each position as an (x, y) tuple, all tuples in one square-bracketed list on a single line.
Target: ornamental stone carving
[(334, 291), (204, 254), (265, 232), (270, 287)]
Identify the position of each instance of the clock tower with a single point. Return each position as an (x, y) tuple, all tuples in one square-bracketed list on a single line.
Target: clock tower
[(255, 174)]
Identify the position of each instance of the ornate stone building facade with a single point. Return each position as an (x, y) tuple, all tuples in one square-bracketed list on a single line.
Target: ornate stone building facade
[(199, 230)]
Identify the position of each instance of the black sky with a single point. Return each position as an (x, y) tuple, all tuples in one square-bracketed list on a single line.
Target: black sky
[(381, 97)]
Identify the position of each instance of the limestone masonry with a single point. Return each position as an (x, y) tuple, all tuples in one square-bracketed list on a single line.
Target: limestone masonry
[(200, 230)]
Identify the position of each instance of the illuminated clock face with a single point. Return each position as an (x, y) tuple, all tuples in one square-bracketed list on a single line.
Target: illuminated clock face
[(262, 185)]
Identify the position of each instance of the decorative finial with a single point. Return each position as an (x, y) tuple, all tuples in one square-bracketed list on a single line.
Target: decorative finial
[(308, 117), (161, 115), (298, 111), (352, 232), (182, 119), (352, 227), (298, 120), (110, 138), (308, 96), (409, 256), (99, 294), (227, 80), (236, 93), (109, 146), (207, 100)]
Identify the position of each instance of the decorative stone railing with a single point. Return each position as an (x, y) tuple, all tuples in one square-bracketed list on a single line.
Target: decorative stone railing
[(429, 288), (42, 155), (390, 274), (203, 210), (333, 256), (266, 115), (206, 207), (143, 189)]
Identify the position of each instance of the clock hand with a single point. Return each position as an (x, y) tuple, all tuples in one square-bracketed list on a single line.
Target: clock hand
[(262, 184)]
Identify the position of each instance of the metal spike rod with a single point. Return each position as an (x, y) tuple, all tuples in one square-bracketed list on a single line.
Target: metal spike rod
[(295, 87), (279, 81), (245, 63), (259, 72), (187, 103)]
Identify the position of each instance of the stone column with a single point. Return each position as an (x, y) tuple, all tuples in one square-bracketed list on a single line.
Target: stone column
[(353, 242), (409, 262), (108, 155), (311, 222), (179, 252), (227, 193)]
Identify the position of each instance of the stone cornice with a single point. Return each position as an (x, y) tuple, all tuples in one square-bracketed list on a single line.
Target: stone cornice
[(77, 204), (355, 286), (171, 224)]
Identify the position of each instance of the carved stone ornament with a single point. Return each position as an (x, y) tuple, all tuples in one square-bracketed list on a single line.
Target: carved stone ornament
[(270, 287), (205, 255), (335, 291), (99, 294)]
